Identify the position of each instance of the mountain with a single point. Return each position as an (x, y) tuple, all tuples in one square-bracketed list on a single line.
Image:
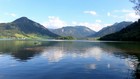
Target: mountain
[(24, 28), (130, 33), (74, 31), (111, 29)]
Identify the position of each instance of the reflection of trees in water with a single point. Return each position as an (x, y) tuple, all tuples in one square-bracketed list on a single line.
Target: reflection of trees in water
[(126, 51), (54, 51), (137, 73), (22, 50), (129, 51), (23, 55)]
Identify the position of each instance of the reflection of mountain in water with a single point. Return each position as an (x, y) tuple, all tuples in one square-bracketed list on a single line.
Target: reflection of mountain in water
[(127, 51), (124, 50), (130, 51), (90, 49), (56, 51), (21, 50)]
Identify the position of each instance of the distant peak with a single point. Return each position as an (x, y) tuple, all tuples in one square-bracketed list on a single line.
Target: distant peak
[(74, 26), (116, 23), (22, 19)]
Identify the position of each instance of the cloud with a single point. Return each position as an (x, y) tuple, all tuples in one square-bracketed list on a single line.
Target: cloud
[(1, 21), (108, 14), (126, 15), (123, 11), (94, 26), (91, 12), (54, 22), (131, 17), (115, 16), (11, 14), (98, 21)]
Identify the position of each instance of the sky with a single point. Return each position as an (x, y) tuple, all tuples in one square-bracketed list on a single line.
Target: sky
[(53, 14)]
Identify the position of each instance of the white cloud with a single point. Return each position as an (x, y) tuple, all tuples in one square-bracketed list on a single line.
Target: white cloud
[(105, 25), (11, 14), (126, 11), (123, 10), (131, 17), (94, 26), (91, 12), (108, 14), (112, 15), (126, 15), (1, 21), (98, 21), (54, 22)]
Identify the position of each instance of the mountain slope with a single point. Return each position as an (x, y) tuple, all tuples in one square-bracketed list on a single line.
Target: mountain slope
[(111, 29), (76, 31), (130, 33), (24, 27)]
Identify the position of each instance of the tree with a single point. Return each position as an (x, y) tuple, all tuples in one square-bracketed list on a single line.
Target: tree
[(137, 6)]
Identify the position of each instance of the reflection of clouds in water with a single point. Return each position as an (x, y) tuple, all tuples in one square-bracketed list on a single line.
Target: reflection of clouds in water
[(92, 66), (13, 64), (94, 52), (132, 64), (108, 66), (1, 55), (54, 54)]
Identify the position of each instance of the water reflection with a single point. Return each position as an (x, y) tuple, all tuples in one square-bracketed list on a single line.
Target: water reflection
[(61, 50), (53, 54), (92, 66), (130, 51), (109, 59)]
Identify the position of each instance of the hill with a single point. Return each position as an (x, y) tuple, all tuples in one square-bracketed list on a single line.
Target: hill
[(130, 33), (111, 29), (74, 31), (24, 28)]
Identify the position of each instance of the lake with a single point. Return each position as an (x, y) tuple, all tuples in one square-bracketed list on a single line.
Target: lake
[(69, 60)]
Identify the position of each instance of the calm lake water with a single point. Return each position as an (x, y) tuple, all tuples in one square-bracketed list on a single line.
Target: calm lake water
[(69, 60)]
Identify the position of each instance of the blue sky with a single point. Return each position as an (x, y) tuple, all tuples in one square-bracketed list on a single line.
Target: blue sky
[(94, 14)]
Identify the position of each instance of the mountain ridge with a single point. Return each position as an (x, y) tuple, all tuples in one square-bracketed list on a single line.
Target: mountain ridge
[(111, 29), (24, 26), (74, 31), (130, 33)]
